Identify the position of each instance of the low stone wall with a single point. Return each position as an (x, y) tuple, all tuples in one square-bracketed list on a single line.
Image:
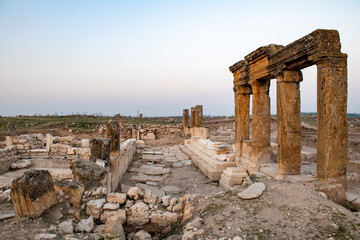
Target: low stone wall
[(68, 140), (119, 163), (69, 151), (27, 142), (148, 131), (7, 157)]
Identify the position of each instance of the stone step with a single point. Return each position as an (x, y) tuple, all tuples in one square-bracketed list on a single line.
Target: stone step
[(152, 153), (224, 185), (213, 153), (219, 165), (143, 178), (212, 173), (231, 181), (153, 190), (152, 158)]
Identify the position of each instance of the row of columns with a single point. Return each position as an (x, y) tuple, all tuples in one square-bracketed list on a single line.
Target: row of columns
[(331, 114), (196, 117)]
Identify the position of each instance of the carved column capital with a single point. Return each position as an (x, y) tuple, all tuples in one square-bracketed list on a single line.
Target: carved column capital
[(289, 76)]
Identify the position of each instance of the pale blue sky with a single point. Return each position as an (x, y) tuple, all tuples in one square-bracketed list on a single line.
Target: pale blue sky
[(154, 56)]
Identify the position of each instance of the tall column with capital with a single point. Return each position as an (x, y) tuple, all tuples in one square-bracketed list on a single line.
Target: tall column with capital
[(260, 122), (332, 125), (288, 122)]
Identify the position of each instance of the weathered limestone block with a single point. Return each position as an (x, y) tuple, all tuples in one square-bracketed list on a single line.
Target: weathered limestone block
[(85, 143), (334, 190), (86, 225), (142, 235), (116, 198), (135, 193), (114, 135), (148, 136), (139, 214), (75, 190), (200, 133), (151, 170), (191, 201), (113, 225), (87, 172), (288, 120), (163, 219), (107, 213), (33, 193), (100, 149), (93, 207), (11, 129)]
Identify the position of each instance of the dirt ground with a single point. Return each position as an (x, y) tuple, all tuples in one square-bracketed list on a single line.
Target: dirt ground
[(286, 210)]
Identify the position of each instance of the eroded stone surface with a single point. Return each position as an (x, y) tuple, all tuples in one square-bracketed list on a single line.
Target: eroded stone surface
[(139, 214), (254, 191), (100, 149), (87, 172), (33, 193)]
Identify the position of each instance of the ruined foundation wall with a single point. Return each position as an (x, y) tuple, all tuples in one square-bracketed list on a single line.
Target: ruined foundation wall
[(69, 151), (149, 131), (7, 157), (25, 143), (119, 162)]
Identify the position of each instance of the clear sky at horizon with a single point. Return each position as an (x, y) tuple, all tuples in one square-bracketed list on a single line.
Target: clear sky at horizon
[(157, 57)]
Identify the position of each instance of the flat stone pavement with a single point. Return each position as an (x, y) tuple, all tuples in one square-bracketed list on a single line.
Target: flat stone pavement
[(167, 170), (57, 167)]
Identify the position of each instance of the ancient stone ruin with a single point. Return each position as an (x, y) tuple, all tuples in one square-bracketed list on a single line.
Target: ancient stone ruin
[(284, 63), (197, 179)]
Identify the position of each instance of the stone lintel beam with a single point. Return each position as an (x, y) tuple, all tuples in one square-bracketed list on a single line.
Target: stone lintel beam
[(269, 61), (288, 122)]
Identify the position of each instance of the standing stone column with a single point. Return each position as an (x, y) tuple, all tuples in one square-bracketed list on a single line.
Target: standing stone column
[(260, 122), (242, 115), (185, 118), (288, 122), (114, 135), (192, 117), (332, 143), (198, 115), (244, 105)]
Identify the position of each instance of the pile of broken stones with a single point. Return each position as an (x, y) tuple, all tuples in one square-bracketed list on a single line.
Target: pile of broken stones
[(138, 213)]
